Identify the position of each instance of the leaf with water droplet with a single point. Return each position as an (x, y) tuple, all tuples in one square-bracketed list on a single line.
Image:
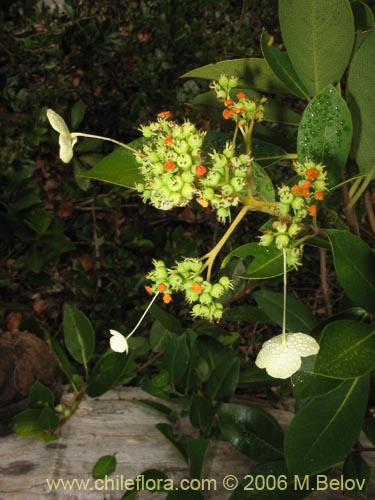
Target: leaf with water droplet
[(318, 128)]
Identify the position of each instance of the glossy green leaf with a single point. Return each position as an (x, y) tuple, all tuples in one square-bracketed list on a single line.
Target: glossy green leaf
[(253, 378), (201, 413), (325, 132), (223, 380), (347, 350), (48, 419), (27, 423), (159, 337), (176, 358), (77, 113), (251, 430), (282, 67), (265, 153), (325, 429), (271, 481), (361, 82), (39, 221), (169, 321), (64, 363), (155, 405), (206, 355), (105, 466), (252, 72), (79, 334), (197, 450), (363, 15), (358, 470), (319, 38), (246, 313), (267, 262), (298, 317), (262, 184), (178, 441), (119, 167), (307, 384), (107, 371), (355, 267), (40, 395)]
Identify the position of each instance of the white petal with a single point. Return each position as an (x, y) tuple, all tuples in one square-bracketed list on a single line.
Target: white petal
[(66, 148), (57, 122), (302, 343), (118, 342), (284, 366)]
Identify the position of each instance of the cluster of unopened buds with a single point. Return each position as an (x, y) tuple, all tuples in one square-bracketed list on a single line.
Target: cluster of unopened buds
[(185, 277), (296, 203)]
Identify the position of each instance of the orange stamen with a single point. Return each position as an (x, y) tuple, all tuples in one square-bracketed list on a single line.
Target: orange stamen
[(228, 102), (312, 173), (169, 165), (197, 288), (168, 139), (227, 114), (162, 287), (296, 189), (164, 114), (149, 290), (241, 95), (167, 298), (305, 192), (312, 210), (318, 195), (200, 170)]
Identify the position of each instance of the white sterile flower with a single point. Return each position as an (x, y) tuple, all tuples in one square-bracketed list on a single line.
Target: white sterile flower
[(118, 342), (281, 355), (66, 139)]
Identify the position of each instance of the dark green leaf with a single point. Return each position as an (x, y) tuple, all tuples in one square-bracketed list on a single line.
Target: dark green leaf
[(159, 337), (107, 371), (178, 441), (253, 378), (361, 81), (271, 481), (265, 153), (355, 267), (76, 114), (79, 334), (253, 73), (262, 184), (307, 384), (298, 317), (62, 359), (155, 405), (267, 262), (347, 350), (176, 358), (48, 419), (201, 413), (169, 321), (319, 38), (280, 64), (40, 395), (251, 430), (325, 132), (40, 221), (197, 450), (357, 469), (251, 314), (326, 428), (105, 466), (27, 423), (363, 15), (119, 167), (223, 380), (369, 427)]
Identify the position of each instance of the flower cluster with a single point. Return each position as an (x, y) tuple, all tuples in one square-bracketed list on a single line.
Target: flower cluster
[(170, 162), (185, 276), (296, 203), (243, 110), (224, 181)]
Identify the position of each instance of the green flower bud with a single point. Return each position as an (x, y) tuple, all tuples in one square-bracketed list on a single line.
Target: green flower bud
[(187, 191), (176, 282), (187, 176), (195, 141), (282, 228), (233, 82), (208, 194), (222, 214), (294, 229), (281, 241), (217, 290), (238, 183), (184, 161), (213, 179), (294, 256), (284, 208), (225, 282), (227, 190), (175, 183), (180, 146), (266, 240), (298, 203), (205, 298), (191, 296), (59, 408)]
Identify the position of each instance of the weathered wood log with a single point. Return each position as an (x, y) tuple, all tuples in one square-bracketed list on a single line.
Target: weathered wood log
[(111, 424)]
